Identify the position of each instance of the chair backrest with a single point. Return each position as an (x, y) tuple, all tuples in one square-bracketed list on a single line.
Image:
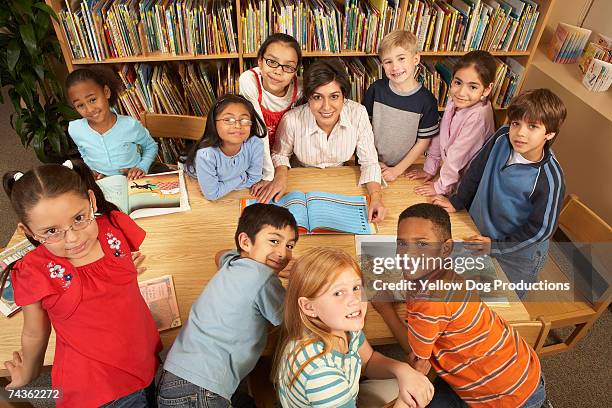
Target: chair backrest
[(174, 126), (533, 331), (581, 224)]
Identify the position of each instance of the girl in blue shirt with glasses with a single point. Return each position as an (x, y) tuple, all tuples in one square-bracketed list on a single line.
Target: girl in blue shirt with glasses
[(108, 142), (228, 157)]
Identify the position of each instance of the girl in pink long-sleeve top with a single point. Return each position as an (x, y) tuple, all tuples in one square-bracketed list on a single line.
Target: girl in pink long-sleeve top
[(467, 123)]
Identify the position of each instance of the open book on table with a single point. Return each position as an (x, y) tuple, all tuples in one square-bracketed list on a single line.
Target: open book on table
[(153, 194), (7, 257), (325, 213)]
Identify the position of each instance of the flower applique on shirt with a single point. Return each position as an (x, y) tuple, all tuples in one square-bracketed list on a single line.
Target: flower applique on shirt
[(114, 243), (59, 272)]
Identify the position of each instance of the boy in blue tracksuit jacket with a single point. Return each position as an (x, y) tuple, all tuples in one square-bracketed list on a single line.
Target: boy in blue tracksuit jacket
[(514, 188)]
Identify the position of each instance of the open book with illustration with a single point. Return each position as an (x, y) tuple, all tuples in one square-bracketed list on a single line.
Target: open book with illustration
[(325, 213), (7, 257), (159, 295), (153, 194)]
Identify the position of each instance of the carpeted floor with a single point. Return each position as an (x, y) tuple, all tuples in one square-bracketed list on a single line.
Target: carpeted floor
[(577, 379)]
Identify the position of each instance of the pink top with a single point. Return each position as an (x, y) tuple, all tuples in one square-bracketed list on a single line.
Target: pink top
[(462, 133)]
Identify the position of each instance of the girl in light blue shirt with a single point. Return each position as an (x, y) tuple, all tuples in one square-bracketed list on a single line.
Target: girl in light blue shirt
[(109, 143), (228, 157)]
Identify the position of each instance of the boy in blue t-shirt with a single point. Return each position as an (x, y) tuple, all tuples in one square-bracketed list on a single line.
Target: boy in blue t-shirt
[(226, 331), (514, 188), (403, 112)]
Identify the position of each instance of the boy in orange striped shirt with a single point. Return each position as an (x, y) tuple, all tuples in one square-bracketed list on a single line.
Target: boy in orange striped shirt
[(480, 360)]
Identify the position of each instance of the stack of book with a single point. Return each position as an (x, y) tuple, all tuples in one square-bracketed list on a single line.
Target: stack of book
[(465, 25), (600, 48), (568, 43), (366, 23), (101, 29)]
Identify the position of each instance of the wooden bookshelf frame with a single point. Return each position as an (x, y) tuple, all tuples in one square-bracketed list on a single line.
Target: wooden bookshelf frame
[(525, 57)]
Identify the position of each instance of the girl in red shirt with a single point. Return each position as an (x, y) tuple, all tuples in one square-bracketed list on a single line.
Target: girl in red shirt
[(81, 279)]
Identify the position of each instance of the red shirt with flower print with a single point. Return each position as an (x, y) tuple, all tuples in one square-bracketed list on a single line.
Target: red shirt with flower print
[(107, 341)]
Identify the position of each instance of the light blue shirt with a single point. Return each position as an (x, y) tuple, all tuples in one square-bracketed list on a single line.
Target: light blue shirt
[(329, 381), (117, 148), (226, 331), (219, 174)]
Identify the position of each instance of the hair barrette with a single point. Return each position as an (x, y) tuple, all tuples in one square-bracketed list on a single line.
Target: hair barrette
[(17, 175), (68, 163)]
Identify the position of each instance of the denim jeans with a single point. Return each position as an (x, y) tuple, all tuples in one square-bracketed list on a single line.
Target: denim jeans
[(175, 392), (524, 265), (538, 397), (446, 397), (144, 398)]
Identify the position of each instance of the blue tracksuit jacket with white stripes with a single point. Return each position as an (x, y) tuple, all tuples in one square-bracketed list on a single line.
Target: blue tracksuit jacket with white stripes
[(515, 205)]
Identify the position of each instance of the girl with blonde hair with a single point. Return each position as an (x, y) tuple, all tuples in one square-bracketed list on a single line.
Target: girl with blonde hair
[(323, 351)]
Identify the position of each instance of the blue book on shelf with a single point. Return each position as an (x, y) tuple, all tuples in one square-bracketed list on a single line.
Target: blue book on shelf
[(325, 213)]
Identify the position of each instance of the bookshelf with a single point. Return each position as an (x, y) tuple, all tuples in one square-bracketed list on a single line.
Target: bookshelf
[(138, 39)]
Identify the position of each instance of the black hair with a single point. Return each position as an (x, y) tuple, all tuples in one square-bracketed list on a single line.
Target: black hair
[(437, 215), (258, 215), (211, 138), (282, 38), (49, 181), (483, 63), (102, 76), (323, 72)]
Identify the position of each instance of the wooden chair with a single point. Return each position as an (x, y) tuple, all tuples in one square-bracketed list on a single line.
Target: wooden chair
[(175, 126), (592, 285), (533, 331)]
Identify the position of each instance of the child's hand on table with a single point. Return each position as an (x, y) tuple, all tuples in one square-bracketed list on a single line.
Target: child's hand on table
[(419, 174), (443, 202), (426, 189), (138, 258), (133, 173), (478, 244)]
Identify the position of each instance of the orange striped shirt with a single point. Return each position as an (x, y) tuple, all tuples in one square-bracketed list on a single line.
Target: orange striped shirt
[(475, 351)]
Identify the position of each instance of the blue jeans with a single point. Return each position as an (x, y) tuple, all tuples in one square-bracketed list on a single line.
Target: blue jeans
[(446, 397), (175, 392), (144, 398), (524, 265), (538, 397)]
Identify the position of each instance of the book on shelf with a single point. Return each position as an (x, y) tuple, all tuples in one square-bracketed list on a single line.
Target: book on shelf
[(150, 195), (102, 29), (567, 43), (160, 297), (598, 76), (599, 48), (325, 213), (10, 255), (465, 25)]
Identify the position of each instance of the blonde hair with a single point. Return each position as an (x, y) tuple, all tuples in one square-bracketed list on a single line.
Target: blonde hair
[(398, 38), (313, 273)]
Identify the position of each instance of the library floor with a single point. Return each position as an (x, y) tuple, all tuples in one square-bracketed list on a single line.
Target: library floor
[(575, 379)]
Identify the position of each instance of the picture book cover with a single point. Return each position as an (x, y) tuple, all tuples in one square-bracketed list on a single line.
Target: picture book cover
[(325, 213), (7, 257), (150, 195), (159, 295)]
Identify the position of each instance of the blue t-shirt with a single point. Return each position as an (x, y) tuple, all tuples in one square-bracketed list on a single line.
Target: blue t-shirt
[(330, 380), (219, 174), (226, 331), (117, 148)]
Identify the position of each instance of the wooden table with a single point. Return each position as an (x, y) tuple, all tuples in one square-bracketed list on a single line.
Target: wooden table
[(184, 245)]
